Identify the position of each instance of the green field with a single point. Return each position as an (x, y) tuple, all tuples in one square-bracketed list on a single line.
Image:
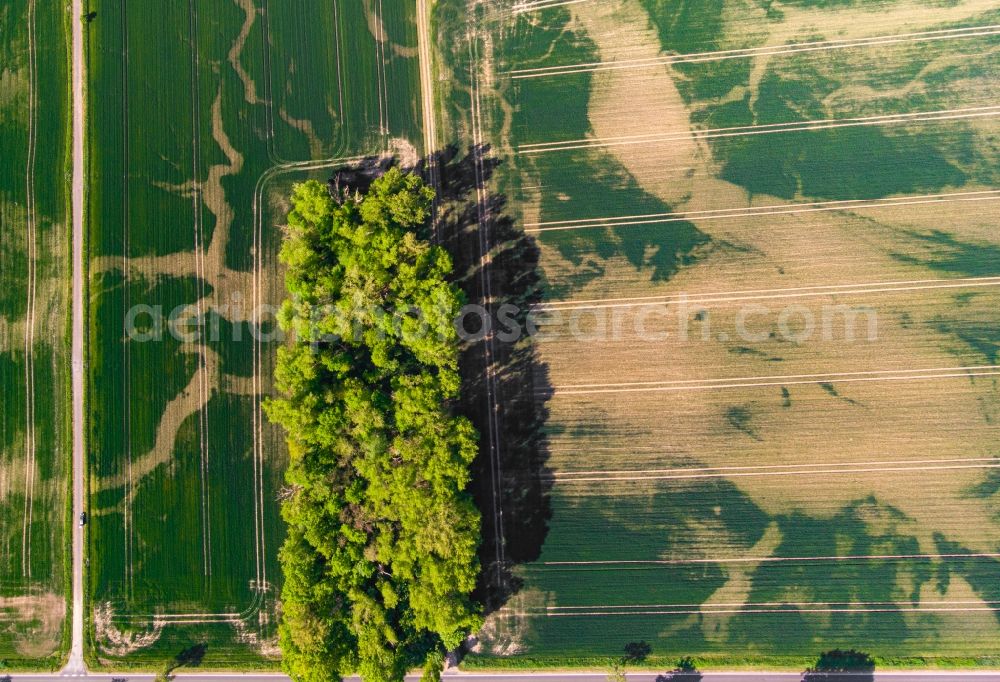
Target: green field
[(201, 115), (34, 342), (751, 497)]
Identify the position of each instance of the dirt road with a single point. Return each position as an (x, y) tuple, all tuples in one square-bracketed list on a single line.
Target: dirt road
[(76, 665)]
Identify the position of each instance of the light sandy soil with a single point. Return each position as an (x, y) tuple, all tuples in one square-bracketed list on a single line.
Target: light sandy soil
[(736, 590), (654, 103), (506, 629), (186, 403), (35, 622), (305, 126), (236, 52), (377, 28), (117, 643)]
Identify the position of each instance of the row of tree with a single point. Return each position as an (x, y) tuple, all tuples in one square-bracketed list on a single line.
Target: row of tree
[(380, 559)]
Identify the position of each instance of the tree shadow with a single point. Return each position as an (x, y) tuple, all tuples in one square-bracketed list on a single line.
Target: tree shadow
[(358, 176), (505, 386), (978, 571), (637, 652), (863, 527), (192, 656), (686, 671), (841, 665)]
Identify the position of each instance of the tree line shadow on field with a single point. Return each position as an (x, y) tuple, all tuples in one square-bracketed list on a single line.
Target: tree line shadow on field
[(511, 482)]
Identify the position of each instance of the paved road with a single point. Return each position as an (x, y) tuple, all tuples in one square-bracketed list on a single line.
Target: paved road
[(76, 651), (917, 676)]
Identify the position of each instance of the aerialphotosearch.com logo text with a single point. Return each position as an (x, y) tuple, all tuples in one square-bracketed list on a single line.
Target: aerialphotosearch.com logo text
[(679, 320)]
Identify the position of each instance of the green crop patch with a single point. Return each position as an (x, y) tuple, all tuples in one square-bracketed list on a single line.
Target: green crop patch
[(341, 77), (765, 387), (200, 116), (34, 341)]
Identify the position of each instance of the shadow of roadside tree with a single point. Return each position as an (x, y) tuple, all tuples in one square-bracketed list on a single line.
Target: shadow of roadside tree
[(686, 671), (190, 657), (841, 665), (637, 652)]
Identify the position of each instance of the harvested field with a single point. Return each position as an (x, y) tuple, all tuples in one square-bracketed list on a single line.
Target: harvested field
[(34, 342), (767, 380), (197, 129)]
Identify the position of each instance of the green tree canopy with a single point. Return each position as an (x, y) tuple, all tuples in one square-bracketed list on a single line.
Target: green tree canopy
[(380, 559)]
